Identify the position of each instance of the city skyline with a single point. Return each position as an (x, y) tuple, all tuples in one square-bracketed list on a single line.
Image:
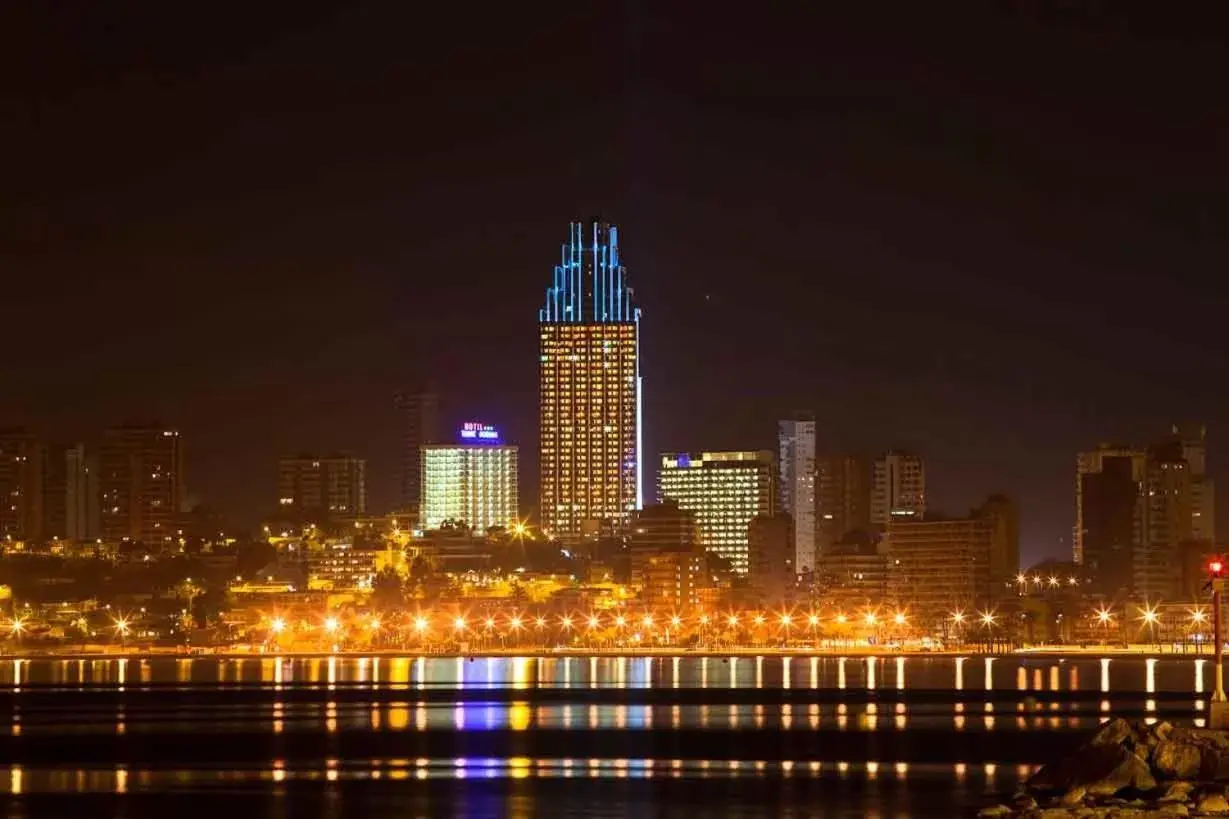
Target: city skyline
[(961, 278)]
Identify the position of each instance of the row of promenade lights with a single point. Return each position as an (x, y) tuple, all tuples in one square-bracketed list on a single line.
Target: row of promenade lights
[(121, 626), (515, 624)]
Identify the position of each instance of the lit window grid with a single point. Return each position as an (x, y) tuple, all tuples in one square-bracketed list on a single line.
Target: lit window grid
[(473, 484), (724, 500), (588, 424)]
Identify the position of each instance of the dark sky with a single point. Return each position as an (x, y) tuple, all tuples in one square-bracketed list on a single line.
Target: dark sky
[(988, 233)]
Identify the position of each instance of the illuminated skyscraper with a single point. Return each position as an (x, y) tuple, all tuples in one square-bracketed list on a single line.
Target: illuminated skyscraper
[(589, 389), (725, 491), (796, 439), (472, 482)]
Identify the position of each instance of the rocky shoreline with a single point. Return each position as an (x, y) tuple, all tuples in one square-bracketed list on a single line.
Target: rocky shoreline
[(1130, 771)]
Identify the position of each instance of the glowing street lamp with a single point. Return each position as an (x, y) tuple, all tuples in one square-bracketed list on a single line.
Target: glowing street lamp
[(899, 618), (648, 621), (566, 622), (987, 619), (958, 617), (277, 625), (594, 621), (331, 625), (676, 621), (1104, 616), (540, 623), (458, 624), (121, 627), (374, 625), (870, 618), (18, 626), (420, 624), (732, 620)]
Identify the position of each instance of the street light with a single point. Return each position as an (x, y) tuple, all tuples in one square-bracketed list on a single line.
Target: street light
[(331, 624), (277, 625), (459, 624)]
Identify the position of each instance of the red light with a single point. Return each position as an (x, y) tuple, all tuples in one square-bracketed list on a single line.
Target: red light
[(1216, 567)]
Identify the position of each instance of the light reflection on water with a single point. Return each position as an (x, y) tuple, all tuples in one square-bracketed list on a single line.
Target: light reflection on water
[(1023, 673), (122, 779), (869, 703)]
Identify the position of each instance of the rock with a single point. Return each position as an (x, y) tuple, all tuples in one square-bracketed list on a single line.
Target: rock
[(994, 812), (1166, 811), (1176, 759), (1177, 792), (1127, 771), (1114, 732), (1161, 731), (1073, 797), (1212, 803)]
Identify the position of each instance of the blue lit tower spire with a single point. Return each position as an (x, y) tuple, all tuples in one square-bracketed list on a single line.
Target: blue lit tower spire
[(590, 284), (590, 391)]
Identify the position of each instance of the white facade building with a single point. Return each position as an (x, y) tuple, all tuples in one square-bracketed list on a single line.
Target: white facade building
[(475, 483), (796, 441)]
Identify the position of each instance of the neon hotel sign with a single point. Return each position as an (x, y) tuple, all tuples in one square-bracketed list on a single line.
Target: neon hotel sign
[(475, 431)]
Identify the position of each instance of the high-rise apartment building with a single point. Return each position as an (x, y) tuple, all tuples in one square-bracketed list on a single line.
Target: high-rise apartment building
[(419, 420), (589, 389), (898, 489), (725, 491), (473, 482), (1094, 462), (1139, 510), (329, 486), (667, 561), (21, 485), (1168, 522), (796, 445), (70, 493), (1193, 439), (1108, 504), (141, 483), (938, 566), (770, 544), (843, 487)]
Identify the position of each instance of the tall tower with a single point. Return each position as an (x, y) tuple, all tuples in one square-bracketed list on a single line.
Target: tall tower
[(796, 439), (589, 389)]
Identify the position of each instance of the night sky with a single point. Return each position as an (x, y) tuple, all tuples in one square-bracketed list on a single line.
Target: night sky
[(988, 234)]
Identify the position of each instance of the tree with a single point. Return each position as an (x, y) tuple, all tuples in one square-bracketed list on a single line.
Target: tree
[(387, 591)]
